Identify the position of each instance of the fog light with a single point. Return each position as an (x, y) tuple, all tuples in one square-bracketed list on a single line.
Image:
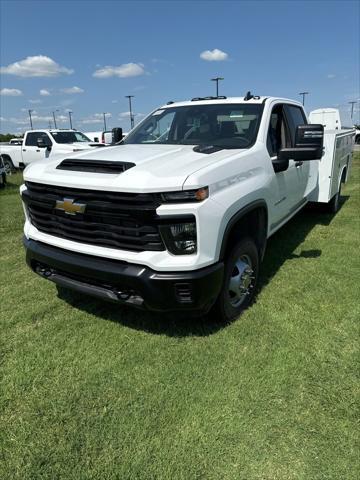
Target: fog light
[(180, 238)]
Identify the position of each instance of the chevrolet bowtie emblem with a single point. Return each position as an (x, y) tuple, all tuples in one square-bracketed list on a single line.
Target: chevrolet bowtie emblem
[(69, 206)]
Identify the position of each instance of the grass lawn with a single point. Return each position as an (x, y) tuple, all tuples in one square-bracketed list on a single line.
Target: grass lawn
[(89, 390)]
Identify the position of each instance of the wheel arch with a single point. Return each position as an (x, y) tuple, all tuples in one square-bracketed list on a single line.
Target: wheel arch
[(252, 221)]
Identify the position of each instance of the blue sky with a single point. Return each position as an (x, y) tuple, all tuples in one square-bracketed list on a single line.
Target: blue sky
[(87, 55)]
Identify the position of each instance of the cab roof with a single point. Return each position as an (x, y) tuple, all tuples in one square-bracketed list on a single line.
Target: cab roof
[(225, 100)]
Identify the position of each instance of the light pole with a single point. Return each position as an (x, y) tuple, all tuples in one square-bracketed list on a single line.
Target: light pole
[(352, 108), (54, 118), (217, 79), (130, 111), (303, 96), (31, 125), (104, 117), (70, 112)]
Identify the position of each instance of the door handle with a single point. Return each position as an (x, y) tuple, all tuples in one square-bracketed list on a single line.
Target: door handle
[(24, 149), (38, 150), (298, 164)]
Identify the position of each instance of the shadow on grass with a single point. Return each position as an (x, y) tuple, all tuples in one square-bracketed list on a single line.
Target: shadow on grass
[(280, 248)]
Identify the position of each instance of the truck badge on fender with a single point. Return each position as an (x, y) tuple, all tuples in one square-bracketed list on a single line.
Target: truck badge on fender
[(69, 206)]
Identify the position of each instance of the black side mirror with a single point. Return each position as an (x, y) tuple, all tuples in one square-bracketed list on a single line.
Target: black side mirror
[(309, 140), (280, 165), (117, 135), (42, 143)]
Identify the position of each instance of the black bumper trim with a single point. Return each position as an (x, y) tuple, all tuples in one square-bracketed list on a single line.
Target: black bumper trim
[(129, 283)]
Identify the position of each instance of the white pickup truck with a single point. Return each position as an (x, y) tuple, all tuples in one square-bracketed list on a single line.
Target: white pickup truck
[(176, 217), (43, 144)]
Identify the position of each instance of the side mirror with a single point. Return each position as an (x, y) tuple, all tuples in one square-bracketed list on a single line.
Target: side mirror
[(309, 140), (42, 143), (117, 135), (280, 165)]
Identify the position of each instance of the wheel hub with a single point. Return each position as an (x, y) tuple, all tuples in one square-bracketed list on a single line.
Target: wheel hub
[(241, 281)]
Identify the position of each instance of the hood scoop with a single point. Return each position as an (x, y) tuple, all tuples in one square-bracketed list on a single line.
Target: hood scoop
[(94, 166)]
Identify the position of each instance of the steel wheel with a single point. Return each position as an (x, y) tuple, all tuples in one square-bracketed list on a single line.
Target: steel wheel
[(240, 278), (241, 281), (8, 166)]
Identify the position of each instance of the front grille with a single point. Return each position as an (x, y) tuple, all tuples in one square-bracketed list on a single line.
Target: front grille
[(126, 221)]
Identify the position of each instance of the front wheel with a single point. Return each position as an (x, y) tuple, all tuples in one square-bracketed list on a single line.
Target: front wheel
[(2, 180), (9, 166), (240, 280)]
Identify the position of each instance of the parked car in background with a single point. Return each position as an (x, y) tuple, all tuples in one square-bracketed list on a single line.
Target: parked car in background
[(2, 173), (16, 141), (41, 144), (177, 216)]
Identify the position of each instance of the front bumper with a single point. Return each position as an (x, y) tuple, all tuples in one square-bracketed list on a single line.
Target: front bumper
[(127, 283)]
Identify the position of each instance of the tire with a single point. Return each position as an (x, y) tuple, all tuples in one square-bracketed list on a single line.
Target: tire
[(357, 140), (334, 204), (2, 180), (9, 166), (240, 281)]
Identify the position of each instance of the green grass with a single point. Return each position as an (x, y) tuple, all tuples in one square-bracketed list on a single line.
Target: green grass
[(89, 390)]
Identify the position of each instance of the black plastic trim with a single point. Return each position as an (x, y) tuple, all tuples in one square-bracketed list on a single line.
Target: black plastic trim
[(238, 216), (158, 291), (94, 166)]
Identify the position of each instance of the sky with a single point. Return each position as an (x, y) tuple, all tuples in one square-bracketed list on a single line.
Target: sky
[(86, 56)]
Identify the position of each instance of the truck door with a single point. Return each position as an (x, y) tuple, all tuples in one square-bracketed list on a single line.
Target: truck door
[(285, 189), (30, 151), (306, 172)]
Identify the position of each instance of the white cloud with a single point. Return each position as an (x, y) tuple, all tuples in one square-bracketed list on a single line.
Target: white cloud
[(95, 118), (126, 115), (331, 75), (39, 119), (44, 92), (10, 92), (72, 90), (122, 71), (215, 55), (2, 119), (114, 101), (35, 101), (36, 66)]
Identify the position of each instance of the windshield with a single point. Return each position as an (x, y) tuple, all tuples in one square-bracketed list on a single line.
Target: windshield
[(69, 137), (221, 125)]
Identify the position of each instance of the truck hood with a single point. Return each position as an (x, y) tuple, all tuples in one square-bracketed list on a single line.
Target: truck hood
[(157, 168), (78, 145)]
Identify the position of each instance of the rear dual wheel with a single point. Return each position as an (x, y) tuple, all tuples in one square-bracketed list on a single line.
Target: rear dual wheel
[(240, 280), (334, 204)]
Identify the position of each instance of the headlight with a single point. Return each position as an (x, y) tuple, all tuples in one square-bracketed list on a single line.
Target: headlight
[(180, 238), (197, 195)]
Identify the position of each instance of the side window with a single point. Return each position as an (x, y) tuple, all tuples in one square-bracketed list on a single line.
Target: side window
[(296, 117), (32, 137), (278, 134)]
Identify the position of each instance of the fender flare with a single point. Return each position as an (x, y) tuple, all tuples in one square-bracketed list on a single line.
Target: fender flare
[(238, 216)]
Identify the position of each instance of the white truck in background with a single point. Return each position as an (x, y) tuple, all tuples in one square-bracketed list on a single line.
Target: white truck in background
[(176, 216), (43, 144)]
